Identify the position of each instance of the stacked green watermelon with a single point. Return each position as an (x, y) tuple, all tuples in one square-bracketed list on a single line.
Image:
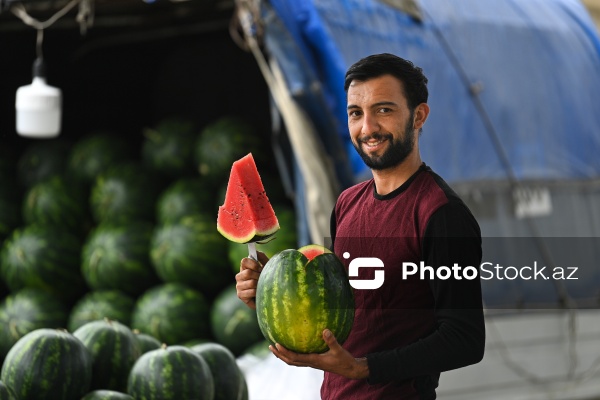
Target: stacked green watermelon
[(95, 153), (48, 364), (27, 310), (222, 142), (182, 198), (168, 148), (116, 257), (234, 325), (125, 193), (46, 258), (95, 230), (99, 304), (57, 201), (114, 349), (191, 251)]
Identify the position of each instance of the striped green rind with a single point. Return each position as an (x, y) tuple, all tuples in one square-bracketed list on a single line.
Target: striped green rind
[(172, 312), (43, 258), (146, 342), (233, 324), (115, 257), (297, 299), (191, 252), (95, 153), (57, 201), (124, 194), (28, 310), (106, 395), (168, 148), (171, 373), (222, 142), (184, 197), (114, 350), (228, 378), (96, 305), (48, 364), (6, 393)]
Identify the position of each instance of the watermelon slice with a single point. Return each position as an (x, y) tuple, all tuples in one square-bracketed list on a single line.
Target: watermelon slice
[(310, 251), (246, 215)]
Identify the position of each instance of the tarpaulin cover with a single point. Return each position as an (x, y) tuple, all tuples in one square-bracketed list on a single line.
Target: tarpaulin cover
[(514, 84)]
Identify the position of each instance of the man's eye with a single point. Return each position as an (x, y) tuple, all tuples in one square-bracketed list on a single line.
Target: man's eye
[(354, 114), (385, 110)]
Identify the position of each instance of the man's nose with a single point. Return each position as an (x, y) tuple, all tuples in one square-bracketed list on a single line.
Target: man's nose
[(370, 124)]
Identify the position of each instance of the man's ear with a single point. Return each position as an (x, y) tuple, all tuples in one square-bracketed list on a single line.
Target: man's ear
[(420, 115)]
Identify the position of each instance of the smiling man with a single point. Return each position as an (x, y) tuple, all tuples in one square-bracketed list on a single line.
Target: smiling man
[(409, 330)]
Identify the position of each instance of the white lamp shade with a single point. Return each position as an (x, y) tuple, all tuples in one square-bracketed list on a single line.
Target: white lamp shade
[(38, 108)]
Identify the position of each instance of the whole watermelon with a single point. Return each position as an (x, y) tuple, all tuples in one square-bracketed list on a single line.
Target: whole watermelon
[(146, 342), (99, 304), (125, 194), (171, 373), (106, 395), (233, 324), (168, 148), (48, 364), (28, 310), (192, 252), (173, 313), (182, 198), (229, 380), (222, 142), (57, 201), (94, 153), (116, 257), (41, 160), (114, 350), (296, 299), (46, 258)]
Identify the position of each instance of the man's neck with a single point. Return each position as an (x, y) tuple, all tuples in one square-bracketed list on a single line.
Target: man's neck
[(388, 180)]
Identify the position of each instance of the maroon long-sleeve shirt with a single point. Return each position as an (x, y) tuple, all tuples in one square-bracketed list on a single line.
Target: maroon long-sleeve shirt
[(410, 329)]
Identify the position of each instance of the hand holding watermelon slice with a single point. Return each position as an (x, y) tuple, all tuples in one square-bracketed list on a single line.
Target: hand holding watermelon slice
[(247, 278), (246, 216)]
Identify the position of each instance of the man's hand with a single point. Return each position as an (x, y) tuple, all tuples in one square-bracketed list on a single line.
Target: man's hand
[(247, 278), (336, 359)]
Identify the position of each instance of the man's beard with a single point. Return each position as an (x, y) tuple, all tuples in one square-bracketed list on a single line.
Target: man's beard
[(396, 152)]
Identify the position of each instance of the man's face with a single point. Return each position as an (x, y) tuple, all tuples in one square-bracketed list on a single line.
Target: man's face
[(380, 123)]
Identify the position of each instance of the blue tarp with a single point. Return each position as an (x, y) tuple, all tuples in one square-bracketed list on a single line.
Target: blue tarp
[(514, 84)]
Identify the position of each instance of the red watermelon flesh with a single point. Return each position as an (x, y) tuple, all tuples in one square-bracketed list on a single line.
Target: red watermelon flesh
[(310, 251), (246, 215)]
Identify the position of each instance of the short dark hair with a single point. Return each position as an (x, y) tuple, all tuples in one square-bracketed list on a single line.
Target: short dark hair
[(376, 65)]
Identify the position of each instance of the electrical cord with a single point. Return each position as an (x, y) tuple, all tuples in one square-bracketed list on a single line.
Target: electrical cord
[(85, 17)]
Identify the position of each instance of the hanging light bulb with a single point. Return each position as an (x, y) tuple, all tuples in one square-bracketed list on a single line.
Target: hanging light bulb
[(38, 106)]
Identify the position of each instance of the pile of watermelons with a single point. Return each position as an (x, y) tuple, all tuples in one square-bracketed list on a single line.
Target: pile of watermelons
[(113, 277)]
